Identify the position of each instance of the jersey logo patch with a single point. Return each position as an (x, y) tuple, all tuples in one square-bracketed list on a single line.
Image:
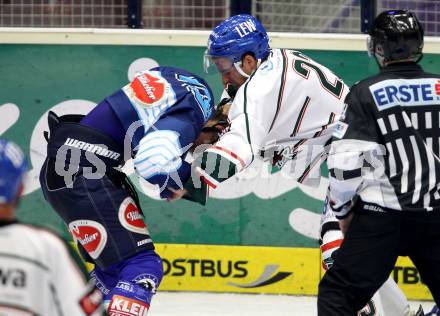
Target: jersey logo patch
[(125, 306), (340, 129), (131, 218), (266, 67), (405, 92), (200, 92), (148, 281), (90, 234), (148, 89)]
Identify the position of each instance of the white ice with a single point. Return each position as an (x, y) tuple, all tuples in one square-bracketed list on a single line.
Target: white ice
[(207, 304)]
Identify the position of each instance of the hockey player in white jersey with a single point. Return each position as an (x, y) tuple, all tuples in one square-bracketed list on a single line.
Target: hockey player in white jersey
[(285, 110), (38, 272)]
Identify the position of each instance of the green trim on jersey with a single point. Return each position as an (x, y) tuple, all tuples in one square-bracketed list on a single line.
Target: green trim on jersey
[(222, 168), (334, 88), (282, 85), (300, 116), (246, 115), (197, 194)]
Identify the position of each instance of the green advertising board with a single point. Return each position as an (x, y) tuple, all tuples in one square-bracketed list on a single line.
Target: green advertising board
[(249, 210)]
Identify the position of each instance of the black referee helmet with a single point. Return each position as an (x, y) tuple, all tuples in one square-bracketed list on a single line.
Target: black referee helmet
[(396, 35)]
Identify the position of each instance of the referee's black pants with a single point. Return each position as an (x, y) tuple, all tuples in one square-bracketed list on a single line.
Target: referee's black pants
[(369, 252)]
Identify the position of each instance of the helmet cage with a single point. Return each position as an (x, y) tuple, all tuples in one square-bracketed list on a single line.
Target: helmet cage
[(214, 64)]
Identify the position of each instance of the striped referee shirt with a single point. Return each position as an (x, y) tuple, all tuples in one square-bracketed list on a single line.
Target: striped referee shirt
[(386, 149)]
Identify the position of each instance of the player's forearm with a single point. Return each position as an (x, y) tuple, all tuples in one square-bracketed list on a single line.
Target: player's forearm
[(209, 169), (217, 164), (352, 163), (345, 169)]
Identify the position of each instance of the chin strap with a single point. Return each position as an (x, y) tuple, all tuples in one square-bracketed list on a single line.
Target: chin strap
[(237, 66)]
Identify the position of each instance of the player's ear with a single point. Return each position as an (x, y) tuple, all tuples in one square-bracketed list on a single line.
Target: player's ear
[(249, 63)]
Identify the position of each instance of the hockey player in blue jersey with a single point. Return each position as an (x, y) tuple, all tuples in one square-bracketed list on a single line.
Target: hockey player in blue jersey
[(155, 120)]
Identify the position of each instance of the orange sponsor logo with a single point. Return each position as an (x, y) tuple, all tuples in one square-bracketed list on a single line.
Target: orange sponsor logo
[(124, 306), (148, 89)]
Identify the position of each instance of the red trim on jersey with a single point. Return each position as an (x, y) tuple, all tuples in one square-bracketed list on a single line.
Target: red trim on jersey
[(285, 75), (209, 183), (310, 167), (437, 87), (330, 121), (232, 154), (300, 117), (303, 113), (282, 87), (333, 244)]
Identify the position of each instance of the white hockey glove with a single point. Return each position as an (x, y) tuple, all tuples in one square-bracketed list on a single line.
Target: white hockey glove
[(159, 152)]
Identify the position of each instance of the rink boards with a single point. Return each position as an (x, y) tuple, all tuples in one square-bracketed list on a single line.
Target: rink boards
[(247, 269), (269, 223)]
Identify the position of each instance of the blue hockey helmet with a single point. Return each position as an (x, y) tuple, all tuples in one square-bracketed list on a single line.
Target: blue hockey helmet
[(234, 37), (12, 170)]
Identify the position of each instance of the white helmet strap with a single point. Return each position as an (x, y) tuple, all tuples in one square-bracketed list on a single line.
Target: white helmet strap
[(237, 66)]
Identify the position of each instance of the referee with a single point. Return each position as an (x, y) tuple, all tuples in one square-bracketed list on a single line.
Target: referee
[(385, 171)]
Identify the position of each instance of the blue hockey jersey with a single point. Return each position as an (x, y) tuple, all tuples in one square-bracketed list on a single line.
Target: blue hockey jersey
[(159, 114)]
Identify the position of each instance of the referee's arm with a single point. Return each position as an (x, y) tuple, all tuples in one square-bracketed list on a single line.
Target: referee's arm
[(354, 146)]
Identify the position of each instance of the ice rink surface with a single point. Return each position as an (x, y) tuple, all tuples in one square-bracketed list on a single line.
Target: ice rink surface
[(206, 304)]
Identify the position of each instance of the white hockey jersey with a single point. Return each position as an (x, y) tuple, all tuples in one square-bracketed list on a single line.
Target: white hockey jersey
[(38, 276), (286, 111)]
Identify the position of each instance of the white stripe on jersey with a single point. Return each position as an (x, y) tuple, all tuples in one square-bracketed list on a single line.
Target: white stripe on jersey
[(405, 165), (428, 120), (436, 194), (426, 201), (382, 127), (431, 161), (414, 120), (391, 159), (406, 119), (418, 171), (393, 122), (431, 170)]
